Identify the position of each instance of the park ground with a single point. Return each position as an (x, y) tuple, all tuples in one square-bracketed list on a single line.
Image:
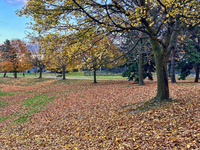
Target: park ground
[(51, 113)]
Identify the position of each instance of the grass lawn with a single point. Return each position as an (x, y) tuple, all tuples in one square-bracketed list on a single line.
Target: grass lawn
[(77, 75), (74, 75), (51, 113)]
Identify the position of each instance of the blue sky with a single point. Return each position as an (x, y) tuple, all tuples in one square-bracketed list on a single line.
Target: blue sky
[(11, 25)]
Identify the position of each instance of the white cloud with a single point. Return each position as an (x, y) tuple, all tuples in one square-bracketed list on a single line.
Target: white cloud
[(17, 2), (9, 1)]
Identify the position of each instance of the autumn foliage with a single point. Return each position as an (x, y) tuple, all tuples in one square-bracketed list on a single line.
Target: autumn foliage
[(18, 58)]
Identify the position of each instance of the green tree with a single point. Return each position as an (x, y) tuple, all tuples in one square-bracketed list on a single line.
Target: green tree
[(136, 54), (133, 68), (190, 59)]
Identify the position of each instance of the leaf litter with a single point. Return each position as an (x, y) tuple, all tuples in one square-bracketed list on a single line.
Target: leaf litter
[(95, 116)]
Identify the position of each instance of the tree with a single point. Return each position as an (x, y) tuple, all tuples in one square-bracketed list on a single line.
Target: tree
[(38, 54), (190, 59), (136, 54), (5, 56), (133, 68), (100, 53), (60, 53), (19, 57), (160, 20)]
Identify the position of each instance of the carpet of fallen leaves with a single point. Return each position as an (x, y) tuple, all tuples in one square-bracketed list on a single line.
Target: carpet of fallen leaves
[(90, 116)]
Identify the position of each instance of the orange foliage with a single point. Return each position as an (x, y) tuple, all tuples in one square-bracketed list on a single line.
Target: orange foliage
[(19, 57)]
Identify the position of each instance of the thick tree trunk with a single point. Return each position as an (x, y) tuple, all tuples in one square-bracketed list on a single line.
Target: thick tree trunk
[(95, 80), (173, 77), (162, 79), (141, 81), (40, 73), (23, 74), (161, 71), (197, 73), (5, 74), (15, 73), (63, 71)]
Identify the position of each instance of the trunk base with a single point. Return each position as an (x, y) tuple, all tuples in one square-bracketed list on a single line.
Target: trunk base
[(148, 105), (141, 84)]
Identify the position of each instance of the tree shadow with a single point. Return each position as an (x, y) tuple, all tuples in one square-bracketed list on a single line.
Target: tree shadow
[(148, 105)]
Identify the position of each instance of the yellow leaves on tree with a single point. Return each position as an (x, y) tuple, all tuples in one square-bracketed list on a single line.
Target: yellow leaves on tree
[(60, 53), (100, 53)]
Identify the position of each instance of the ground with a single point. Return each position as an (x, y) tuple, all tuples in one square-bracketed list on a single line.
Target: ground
[(76, 114)]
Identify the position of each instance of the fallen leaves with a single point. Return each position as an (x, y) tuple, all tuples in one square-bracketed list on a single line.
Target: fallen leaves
[(90, 116)]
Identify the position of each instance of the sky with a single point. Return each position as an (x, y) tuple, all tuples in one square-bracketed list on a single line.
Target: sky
[(11, 25)]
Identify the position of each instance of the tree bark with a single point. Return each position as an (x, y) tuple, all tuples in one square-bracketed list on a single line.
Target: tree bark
[(40, 73), (63, 71), (5, 74), (141, 81), (95, 80), (161, 71), (173, 77), (15, 73), (197, 73), (35, 71)]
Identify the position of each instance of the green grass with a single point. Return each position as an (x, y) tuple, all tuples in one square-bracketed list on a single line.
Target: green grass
[(74, 75), (33, 105), (3, 103), (26, 74), (30, 92), (22, 119), (36, 103), (4, 118), (77, 75), (6, 93)]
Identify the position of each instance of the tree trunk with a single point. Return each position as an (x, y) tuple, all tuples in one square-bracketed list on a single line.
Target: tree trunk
[(40, 73), (15, 73), (100, 71), (141, 81), (161, 71), (23, 74), (63, 71), (197, 73), (169, 69), (107, 71), (95, 81), (5, 74), (173, 77), (35, 71)]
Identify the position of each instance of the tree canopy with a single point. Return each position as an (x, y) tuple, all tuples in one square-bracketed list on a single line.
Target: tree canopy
[(159, 19)]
